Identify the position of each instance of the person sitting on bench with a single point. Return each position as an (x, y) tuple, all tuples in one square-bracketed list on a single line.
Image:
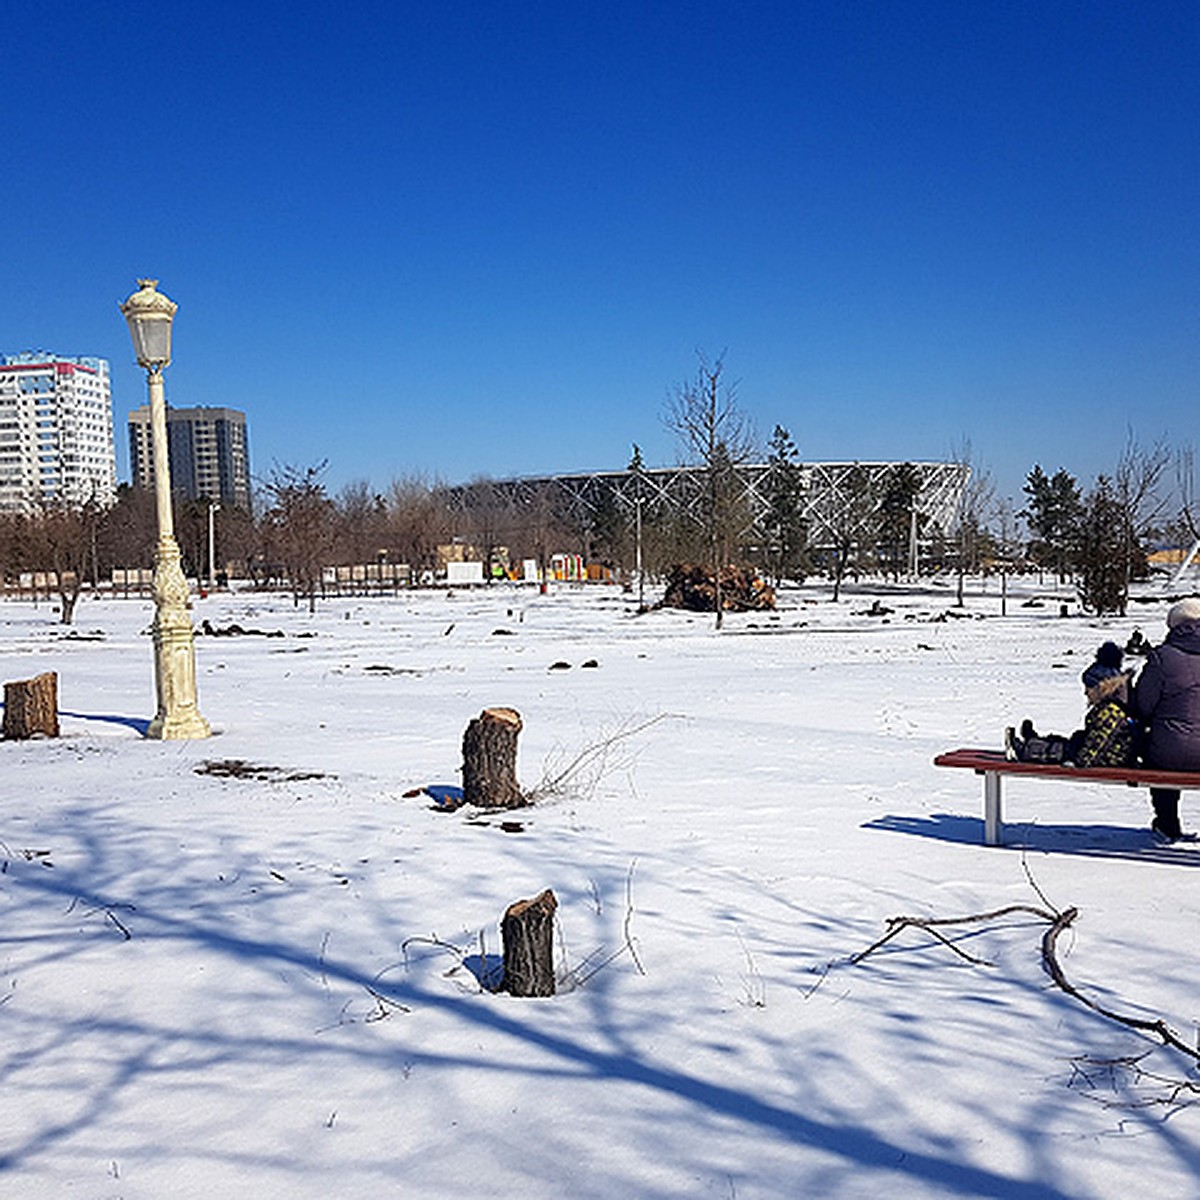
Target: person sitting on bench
[(1166, 699), (1108, 734)]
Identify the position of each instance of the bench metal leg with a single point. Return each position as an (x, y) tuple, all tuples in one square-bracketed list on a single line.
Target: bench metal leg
[(993, 821)]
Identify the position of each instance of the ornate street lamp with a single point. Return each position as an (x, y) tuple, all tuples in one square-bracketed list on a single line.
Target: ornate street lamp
[(149, 314)]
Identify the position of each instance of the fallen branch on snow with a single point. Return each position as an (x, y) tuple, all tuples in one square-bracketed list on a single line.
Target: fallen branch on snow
[(1057, 922)]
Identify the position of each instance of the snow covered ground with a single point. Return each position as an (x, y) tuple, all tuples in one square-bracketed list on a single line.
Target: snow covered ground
[(219, 982)]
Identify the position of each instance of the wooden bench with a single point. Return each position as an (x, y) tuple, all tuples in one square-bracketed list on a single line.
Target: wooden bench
[(993, 766)]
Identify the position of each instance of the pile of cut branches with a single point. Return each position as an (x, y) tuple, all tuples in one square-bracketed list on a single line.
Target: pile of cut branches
[(694, 588)]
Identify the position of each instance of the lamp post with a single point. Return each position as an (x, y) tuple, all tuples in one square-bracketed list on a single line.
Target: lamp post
[(213, 507), (149, 314), (640, 575)]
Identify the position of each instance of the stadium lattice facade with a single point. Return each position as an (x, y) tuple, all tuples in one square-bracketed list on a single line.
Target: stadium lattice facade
[(833, 495)]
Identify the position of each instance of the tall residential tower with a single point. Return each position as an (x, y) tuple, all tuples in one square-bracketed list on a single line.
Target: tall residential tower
[(56, 432), (208, 451)]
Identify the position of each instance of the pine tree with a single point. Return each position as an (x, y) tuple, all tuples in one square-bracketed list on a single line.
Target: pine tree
[(1053, 515), (896, 514), (1101, 552), (784, 524)]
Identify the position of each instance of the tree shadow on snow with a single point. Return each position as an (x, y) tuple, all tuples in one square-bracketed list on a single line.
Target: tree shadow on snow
[(1089, 841), (55, 915)]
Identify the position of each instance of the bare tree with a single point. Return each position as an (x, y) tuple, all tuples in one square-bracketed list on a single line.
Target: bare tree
[(127, 532), (361, 523), (488, 518), (539, 526), (237, 538), (298, 527), (1142, 501), (1188, 520), (716, 437), (418, 521), (975, 509), (58, 537)]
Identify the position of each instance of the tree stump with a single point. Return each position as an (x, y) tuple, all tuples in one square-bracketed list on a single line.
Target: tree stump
[(527, 931), (31, 706), (490, 760)]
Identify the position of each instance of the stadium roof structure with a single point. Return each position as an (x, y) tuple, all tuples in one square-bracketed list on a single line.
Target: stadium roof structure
[(834, 495)]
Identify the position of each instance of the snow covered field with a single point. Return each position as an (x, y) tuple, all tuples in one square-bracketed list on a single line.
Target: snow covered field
[(221, 982)]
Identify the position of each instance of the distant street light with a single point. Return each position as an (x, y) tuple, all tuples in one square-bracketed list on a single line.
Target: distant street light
[(149, 314), (640, 574), (213, 507)]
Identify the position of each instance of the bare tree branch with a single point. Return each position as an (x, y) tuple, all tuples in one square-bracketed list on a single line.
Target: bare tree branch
[(1057, 922)]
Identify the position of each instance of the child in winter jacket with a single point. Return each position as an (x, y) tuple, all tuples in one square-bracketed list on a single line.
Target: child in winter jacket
[(1109, 732), (1107, 738)]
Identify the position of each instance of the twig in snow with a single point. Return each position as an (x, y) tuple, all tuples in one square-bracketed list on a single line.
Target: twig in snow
[(1033, 883), (1126, 1071), (756, 989), (431, 940), (637, 962), (580, 975), (385, 1006), (592, 759), (109, 915), (321, 961)]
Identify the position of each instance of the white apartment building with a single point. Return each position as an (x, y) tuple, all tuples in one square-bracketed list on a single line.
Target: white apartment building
[(56, 431)]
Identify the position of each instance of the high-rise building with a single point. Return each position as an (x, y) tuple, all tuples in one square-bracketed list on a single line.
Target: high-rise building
[(56, 431), (208, 452)]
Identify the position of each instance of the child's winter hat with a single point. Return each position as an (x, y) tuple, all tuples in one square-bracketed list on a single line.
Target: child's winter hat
[(1184, 612), (1108, 663)]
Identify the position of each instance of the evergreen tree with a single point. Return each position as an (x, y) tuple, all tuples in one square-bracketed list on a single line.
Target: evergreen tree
[(852, 525), (896, 514), (1053, 515), (784, 524), (1101, 550), (606, 528)]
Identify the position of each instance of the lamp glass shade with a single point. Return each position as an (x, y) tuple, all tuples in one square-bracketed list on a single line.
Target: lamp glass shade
[(150, 314), (151, 340)]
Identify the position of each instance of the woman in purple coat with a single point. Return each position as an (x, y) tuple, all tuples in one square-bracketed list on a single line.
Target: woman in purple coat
[(1166, 699)]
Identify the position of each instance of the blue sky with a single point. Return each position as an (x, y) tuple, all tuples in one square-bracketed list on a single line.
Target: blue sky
[(464, 239)]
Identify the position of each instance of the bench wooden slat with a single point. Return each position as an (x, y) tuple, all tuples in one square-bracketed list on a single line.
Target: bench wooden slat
[(994, 760), (992, 765)]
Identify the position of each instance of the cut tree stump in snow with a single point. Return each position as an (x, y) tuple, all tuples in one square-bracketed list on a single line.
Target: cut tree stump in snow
[(527, 931), (490, 760), (31, 707)]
